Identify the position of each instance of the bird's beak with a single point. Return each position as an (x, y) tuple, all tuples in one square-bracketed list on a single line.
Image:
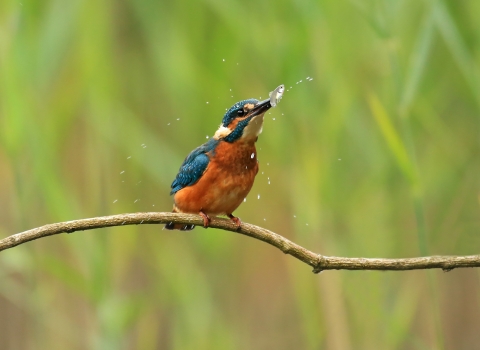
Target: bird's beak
[(261, 107)]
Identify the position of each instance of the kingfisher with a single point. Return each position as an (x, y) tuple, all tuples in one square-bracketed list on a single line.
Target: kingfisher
[(215, 178)]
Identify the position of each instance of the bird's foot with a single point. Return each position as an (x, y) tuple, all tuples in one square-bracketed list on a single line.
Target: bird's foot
[(235, 220), (206, 219)]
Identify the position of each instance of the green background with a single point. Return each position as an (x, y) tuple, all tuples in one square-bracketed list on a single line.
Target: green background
[(377, 156)]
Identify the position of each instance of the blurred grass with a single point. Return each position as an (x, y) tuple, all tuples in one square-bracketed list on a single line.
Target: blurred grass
[(377, 156)]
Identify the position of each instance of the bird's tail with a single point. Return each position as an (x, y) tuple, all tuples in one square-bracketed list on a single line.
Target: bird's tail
[(181, 227), (175, 226)]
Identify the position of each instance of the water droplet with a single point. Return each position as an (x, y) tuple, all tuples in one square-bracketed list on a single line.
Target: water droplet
[(268, 163), (129, 157), (206, 136), (136, 200), (244, 200), (273, 118), (115, 201), (223, 60), (122, 172), (300, 81), (168, 124), (295, 216), (207, 102), (339, 158), (178, 118), (264, 219), (258, 197), (252, 155)]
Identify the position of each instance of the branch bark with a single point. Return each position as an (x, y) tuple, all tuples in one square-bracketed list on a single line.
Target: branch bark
[(317, 261)]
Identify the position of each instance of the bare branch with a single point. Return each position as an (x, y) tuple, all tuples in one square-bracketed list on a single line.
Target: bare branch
[(317, 261)]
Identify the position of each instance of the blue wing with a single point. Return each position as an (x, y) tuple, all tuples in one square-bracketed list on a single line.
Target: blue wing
[(193, 166)]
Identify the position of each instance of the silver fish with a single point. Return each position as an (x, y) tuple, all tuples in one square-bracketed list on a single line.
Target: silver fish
[(276, 95)]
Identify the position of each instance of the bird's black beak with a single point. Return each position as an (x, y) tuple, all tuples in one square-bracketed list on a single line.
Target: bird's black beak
[(261, 107)]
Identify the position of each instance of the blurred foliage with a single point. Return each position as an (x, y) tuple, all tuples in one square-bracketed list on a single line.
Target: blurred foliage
[(377, 156)]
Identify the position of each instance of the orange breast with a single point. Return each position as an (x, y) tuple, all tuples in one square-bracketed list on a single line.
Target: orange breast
[(225, 183)]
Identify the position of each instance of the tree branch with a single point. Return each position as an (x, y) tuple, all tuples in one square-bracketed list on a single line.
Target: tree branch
[(317, 261)]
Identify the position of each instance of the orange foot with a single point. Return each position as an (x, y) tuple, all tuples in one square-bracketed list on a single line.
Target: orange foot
[(206, 219), (235, 220)]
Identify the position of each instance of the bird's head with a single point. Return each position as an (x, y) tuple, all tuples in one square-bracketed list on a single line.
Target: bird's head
[(243, 121)]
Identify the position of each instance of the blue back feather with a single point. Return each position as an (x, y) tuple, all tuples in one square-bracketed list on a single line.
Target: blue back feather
[(193, 166)]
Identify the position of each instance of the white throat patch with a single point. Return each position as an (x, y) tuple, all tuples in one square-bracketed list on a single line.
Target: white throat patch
[(254, 128)]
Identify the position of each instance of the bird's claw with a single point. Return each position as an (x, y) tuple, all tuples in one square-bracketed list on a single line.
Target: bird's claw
[(235, 220), (206, 219)]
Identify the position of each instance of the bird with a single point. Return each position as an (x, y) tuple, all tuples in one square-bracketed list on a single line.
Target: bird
[(215, 178)]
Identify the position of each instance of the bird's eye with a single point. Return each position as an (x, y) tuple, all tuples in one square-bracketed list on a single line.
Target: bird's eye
[(240, 112)]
